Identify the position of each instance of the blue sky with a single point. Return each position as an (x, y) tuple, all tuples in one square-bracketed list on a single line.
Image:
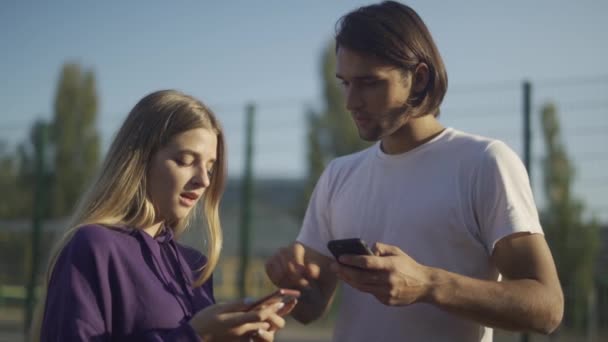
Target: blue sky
[(231, 52)]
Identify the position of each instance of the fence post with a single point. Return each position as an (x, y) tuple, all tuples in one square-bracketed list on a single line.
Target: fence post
[(246, 199), (527, 145), (527, 127), (38, 212)]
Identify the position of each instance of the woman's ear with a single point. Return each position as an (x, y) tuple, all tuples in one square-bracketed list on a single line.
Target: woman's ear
[(420, 78)]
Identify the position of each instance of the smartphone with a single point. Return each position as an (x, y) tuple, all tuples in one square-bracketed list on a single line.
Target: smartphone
[(280, 295), (348, 246)]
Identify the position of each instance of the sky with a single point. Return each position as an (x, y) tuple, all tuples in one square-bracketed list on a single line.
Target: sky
[(230, 53)]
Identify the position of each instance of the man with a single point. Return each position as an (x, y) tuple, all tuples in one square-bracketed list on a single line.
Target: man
[(458, 247)]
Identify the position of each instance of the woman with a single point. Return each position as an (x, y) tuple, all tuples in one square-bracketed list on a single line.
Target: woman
[(119, 274)]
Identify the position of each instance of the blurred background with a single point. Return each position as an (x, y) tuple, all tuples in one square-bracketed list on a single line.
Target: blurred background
[(533, 74)]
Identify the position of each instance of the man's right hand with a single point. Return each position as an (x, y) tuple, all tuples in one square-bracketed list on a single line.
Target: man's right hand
[(288, 268), (299, 267)]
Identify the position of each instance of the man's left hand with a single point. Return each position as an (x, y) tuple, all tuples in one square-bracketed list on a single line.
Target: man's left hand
[(390, 275)]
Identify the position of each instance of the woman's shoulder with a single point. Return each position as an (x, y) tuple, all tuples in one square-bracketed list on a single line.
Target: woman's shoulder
[(97, 233), (96, 239)]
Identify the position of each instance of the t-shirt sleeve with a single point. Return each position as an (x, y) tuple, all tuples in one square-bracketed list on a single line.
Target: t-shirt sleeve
[(503, 199), (315, 231), (78, 299)]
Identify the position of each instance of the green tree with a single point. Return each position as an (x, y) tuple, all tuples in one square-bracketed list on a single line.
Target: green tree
[(74, 136), (28, 168), (331, 131), (573, 240), (17, 175), (8, 179)]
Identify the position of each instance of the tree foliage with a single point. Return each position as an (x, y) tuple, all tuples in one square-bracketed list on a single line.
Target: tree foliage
[(74, 137), (331, 131), (70, 155), (572, 238)]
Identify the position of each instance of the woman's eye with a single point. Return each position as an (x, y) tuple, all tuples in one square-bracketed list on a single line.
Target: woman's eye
[(183, 162)]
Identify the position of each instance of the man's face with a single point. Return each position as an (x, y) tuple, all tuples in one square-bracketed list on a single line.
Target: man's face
[(375, 93)]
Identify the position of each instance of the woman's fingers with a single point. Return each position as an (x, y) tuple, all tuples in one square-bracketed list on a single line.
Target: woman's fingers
[(241, 318), (231, 307), (247, 321), (286, 310), (271, 314), (264, 336), (250, 328), (276, 322)]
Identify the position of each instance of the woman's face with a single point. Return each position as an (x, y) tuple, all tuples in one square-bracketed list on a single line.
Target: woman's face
[(180, 173)]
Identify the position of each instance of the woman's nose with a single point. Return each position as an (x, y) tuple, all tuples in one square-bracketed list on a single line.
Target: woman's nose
[(202, 177)]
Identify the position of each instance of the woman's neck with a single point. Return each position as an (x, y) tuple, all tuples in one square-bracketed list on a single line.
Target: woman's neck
[(153, 229)]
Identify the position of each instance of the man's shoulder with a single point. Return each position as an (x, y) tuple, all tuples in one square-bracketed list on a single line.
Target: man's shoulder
[(472, 140), (351, 160), (462, 144)]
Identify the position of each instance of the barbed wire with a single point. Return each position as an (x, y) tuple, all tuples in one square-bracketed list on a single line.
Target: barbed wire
[(276, 103), (571, 81)]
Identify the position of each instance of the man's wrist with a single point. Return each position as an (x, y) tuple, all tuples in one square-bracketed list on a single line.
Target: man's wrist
[(434, 285), (308, 295)]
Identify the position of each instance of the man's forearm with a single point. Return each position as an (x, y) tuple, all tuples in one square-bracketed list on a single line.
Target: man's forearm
[(523, 305), (311, 305)]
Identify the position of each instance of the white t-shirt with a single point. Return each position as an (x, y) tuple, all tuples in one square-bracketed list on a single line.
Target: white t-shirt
[(445, 203)]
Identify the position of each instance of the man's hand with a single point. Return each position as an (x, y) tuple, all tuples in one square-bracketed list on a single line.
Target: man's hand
[(392, 276), (288, 269), (528, 298), (299, 267)]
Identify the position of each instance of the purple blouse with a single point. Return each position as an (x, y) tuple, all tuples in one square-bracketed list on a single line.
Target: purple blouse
[(124, 285)]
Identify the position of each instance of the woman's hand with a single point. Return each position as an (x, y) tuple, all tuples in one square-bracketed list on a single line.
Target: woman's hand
[(228, 322)]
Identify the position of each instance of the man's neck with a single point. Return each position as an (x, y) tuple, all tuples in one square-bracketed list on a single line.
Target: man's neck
[(414, 133)]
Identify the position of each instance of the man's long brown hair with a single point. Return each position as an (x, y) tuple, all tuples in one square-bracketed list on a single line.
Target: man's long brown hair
[(396, 34)]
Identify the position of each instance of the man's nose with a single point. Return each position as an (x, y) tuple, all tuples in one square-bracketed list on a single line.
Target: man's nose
[(353, 99)]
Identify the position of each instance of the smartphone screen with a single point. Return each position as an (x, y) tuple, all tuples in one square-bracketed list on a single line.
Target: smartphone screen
[(280, 295), (348, 246)]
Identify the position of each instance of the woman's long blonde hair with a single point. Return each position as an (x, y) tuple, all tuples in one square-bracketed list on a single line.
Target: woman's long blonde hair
[(118, 196)]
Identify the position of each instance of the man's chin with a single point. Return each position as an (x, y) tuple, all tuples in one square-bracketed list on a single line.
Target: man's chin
[(369, 137)]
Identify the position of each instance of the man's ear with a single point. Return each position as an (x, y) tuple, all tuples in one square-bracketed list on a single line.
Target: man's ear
[(420, 78)]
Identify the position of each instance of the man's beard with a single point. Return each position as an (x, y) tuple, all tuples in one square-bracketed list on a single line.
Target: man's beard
[(389, 123)]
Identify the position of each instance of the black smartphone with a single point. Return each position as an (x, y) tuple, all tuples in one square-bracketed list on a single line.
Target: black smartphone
[(348, 246)]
